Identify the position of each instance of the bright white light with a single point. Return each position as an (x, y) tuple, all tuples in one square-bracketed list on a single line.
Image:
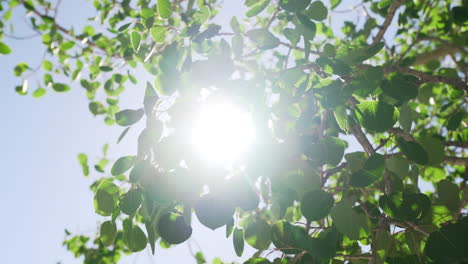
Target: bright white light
[(222, 133)]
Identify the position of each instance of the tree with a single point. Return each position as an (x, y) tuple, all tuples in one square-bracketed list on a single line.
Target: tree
[(311, 91)]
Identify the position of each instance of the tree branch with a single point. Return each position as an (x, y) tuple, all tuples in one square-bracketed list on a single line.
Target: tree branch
[(455, 161), (428, 78), (423, 77), (354, 256), (388, 20), (459, 144), (362, 139)]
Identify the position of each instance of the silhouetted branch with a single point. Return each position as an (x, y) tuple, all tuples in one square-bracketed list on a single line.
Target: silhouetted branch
[(388, 20)]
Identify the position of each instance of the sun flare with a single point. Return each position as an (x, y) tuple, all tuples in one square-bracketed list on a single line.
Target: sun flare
[(222, 133)]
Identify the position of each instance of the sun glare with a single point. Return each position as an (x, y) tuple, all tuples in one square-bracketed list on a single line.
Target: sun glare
[(222, 133)]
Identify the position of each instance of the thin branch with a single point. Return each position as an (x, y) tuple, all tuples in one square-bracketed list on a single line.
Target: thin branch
[(423, 77), (354, 256), (455, 161), (457, 144), (388, 20), (362, 139), (401, 133)]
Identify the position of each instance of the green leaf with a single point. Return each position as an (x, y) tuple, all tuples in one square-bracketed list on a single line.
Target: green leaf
[(238, 241), (384, 4), (317, 11), (60, 87), (135, 38), (406, 117), (4, 48), (401, 87), (449, 195), (67, 45), (123, 134), (288, 238), (146, 12), (316, 205), (105, 68), (263, 38), (213, 211), (370, 172), (164, 9), (413, 151), (330, 150), (135, 238), (454, 121), (203, 15), (104, 203), (335, 3), (142, 171), (47, 65), (435, 148), (158, 33), (128, 117), (398, 165), (20, 68), (97, 108), (292, 35), (234, 23), (108, 233), (405, 207), (173, 228), (376, 116), (83, 160), (294, 5), (122, 165), (449, 244), (257, 8), (130, 202), (39, 92), (257, 234), (348, 221)]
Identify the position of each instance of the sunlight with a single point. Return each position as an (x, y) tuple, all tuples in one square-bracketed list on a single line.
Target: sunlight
[(222, 133)]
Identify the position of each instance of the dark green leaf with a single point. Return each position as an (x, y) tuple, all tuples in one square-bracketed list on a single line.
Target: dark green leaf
[(60, 87), (401, 87), (238, 240), (108, 233), (317, 11), (263, 38), (376, 116), (130, 202), (316, 205), (449, 195), (104, 203), (213, 211), (122, 165), (174, 229), (257, 234), (413, 151), (128, 117)]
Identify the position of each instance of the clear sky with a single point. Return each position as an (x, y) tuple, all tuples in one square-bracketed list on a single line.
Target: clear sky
[(44, 191)]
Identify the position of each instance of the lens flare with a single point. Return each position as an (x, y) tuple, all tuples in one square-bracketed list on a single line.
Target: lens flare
[(222, 133)]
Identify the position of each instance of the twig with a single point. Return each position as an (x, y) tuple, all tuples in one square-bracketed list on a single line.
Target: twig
[(423, 77), (457, 144), (354, 256), (362, 139), (388, 20), (455, 161)]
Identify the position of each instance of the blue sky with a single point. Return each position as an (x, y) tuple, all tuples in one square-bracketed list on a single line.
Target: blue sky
[(44, 191)]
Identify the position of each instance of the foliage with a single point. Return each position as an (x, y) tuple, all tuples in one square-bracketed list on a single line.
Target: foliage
[(303, 190)]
